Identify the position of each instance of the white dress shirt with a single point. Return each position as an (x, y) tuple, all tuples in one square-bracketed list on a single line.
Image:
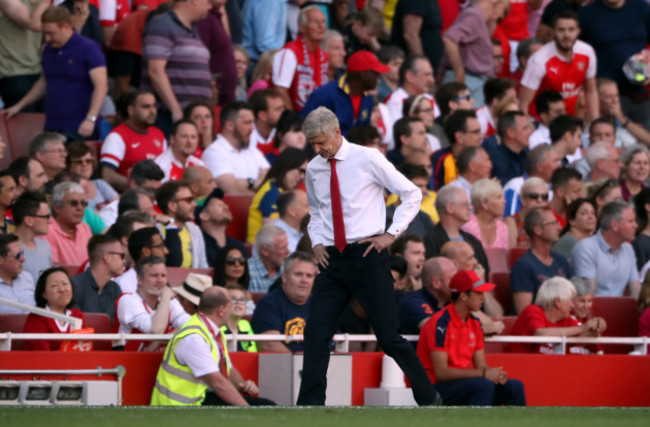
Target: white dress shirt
[(293, 235), (363, 173), (195, 352)]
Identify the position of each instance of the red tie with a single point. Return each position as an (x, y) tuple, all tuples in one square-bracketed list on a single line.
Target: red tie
[(337, 209)]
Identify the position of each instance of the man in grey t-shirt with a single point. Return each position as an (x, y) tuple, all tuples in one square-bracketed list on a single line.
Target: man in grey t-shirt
[(31, 216)]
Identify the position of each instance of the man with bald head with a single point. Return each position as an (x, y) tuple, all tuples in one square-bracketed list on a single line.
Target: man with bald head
[(200, 181), (418, 306)]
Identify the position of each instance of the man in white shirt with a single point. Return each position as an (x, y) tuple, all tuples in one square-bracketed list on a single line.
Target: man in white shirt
[(32, 216), (267, 108), (15, 284), (183, 140), (345, 189), (237, 167), (292, 207)]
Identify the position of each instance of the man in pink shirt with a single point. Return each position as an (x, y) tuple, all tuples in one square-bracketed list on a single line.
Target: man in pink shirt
[(69, 235)]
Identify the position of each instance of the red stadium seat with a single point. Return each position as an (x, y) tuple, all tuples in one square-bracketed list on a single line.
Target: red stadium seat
[(21, 128), (101, 323), (257, 295), (7, 154), (96, 147), (72, 270), (622, 319), (502, 290), (515, 254), (238, 204), (497, 347), (13, 323), (176, 275), (498, 259)]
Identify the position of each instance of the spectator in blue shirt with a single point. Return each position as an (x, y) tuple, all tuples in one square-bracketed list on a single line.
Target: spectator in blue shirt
[(265, 26), (509, 157)]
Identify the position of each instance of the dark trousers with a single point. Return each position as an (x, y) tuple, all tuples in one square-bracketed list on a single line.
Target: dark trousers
[(481, 392), (212, 399), (368, 280), (12, 90)]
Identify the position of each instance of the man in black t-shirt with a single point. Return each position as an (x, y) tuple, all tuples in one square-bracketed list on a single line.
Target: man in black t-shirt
[(417, 28)]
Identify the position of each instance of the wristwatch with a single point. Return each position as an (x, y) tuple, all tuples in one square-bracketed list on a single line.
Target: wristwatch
[(91, 118), (251, 183)]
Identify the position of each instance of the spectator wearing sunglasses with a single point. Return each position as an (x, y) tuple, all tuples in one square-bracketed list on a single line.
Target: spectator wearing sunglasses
[(538, 263), (534, 193), (231, 267), (15, 284), (94, 290), (81, 161), (32, 216), (68, 235)]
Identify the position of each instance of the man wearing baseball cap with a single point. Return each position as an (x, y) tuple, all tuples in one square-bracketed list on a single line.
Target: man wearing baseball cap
[(348, 96), (452, 352)]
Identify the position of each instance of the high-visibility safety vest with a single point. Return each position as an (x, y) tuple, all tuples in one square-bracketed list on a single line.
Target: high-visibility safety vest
[(175, 383), (244, 328)]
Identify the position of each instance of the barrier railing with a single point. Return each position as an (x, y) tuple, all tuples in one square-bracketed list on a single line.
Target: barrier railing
[(342, 341)]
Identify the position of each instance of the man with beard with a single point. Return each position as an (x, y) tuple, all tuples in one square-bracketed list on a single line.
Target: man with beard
[(183, 140), (7, 196), (267, 107), (411, 248), (564, 65), (237, 167), (134, 140), (28, 174)]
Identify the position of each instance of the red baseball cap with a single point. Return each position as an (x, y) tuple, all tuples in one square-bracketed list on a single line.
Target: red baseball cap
[(364, 60), (468, 280)]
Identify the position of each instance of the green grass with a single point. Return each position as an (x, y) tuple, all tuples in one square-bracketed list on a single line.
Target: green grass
[(314, 417)]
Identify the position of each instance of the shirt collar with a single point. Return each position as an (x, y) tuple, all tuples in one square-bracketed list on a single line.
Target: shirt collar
[(602, 244), (342, 154)]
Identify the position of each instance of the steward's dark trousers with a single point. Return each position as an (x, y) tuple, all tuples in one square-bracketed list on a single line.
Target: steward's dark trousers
[(481, 392)]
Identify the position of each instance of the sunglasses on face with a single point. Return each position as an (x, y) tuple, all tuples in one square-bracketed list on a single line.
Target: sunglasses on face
[(158, 246), (537, 196), (77, 203), (232, 260), (46, 216), (15, 256), (187, 199), (122, 255), (463, 98)]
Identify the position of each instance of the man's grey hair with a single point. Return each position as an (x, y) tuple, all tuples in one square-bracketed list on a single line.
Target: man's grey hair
[(330, 34), (38, 144), (555, 287), (321, 121), (63, 188), (446, 195), (302, 17), (297, 256), (266, 235), (583, 285), (150, 260), (612, 211), (536, 157), (597, 151)]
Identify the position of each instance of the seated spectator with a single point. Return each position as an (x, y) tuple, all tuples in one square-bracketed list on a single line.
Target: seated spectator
[(334, 46), (231, 268), (81, 161), (509, 157), (201, 114), (286, 309), (581, 223), (603, 162), (288, 133), (534, 194), (566, 138), (582, 309), (7, 198), (606, 258), (91, 217), (183, 238), (32, 216), (627, 131), (635, 172), (551, 316), (473, 164), (603, 191), (55, 293), (494, 92), (48, 149), (28, 174), (235, 321), (392, 56), (641, 243), (287, 172), (236, 166), (643, 304), (420, 107), (410, 139), (15, 284), (292, 209), (399, 271), (567, 187), (539, 262), (452, 351), (272, 247), (132, 141), (68, 235), (152, 309), (94, 289), (549, 105), (142, 243), (188, 294), (411, 248), (267, 107), (183, 142), (200, 181), (427, 215), (450, 97), (485, 223)]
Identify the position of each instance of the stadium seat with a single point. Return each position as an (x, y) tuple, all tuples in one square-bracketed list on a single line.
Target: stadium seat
[(21, 128), (256, 296), (238, 204), (96, 147), (622, 319), (72, 270), (249, 248), (101, 323), (498, 259), (515, 254), (502, 290), (497, 347), (7, 154), (13, 323), (176, 275)]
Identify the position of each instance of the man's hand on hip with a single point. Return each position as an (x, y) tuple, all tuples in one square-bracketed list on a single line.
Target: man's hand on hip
[(380, 242)]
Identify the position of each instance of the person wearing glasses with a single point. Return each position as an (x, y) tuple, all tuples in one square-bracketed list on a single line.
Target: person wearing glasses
[(81, 162), (69, 235), (231, 268), (539, 262), (235, 321), (32, 216), (15, 284), (94, 289), (48, 149), (534, 193)]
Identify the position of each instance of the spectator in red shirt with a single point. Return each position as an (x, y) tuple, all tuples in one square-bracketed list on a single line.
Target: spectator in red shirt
[(452, 351)]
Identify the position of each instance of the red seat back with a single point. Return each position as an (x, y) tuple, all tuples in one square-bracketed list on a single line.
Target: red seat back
[(21, 128), (7, 155), (13, 323), (176, 275), (238, 204), (516, 253), (497, 347), (502, 290), (101, 323), (96, 147), (256, 296), (622, 319), (498, 259)]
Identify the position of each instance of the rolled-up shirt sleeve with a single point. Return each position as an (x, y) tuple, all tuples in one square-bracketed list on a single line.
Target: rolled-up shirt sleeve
[(315, 221)]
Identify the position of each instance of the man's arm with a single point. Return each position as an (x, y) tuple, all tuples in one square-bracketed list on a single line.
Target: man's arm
[(163, 87), (160, 318), (526, 96), (453, 53), (99, 77), (117, 181), (634, 288), (18, 12), (591, 98), (286, 99), (445, 373), (273, 346), (35, 93), (223, 388), (522, 300), (231, 185), (243, 386), (412, 25)]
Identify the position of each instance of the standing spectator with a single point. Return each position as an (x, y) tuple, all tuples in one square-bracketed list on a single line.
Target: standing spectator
[(29, 175), (214, 32), (301, 66), (32, 216), (636, 168), (236, 166), (567, 187), (392, 56), (68, 235), (292, 209), (183, 238), (334, 47), (581, 223), (111, 13), (627, 131), (545, 28), (549, 105), (267, 107), (417, 28), (473, 164), (183, 142), (132, 141), (85, 78), (486, 222), (564, 65), (539, 262), (15, 284), (202, 114), (515, 25), (94, 289), (265, 24), (272, 247), (509, 157), (606, 258), (85, 18), (8, 195), (80, 162), (175, 63), (495, 92)]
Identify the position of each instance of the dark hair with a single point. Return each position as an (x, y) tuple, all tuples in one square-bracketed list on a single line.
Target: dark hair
[(167, 193), (411, 171), (565, 14), (130, 200), (259, 99), (146, 170), (457, 122), (524, 47), (96, 245), (142, 238), (563, 124), (290, 158), (219, 277), (544, 100), (398, 264), (508, 120), (409, 64), (42, 282), (129, 99), (640, 200), (187, 111), (389, 52), (456, 295), (178, 124), (399, 245), (601, 120), (123, 227), (403, 127), (290, 121), (533, 219), (20, 167), (572, 211), (150, 260), (284, 201), (76, 150), (5, 241), (363, 135), (496, 89), (561, 177), (27, 204), (230, 111), (465, 157), (447, 93)]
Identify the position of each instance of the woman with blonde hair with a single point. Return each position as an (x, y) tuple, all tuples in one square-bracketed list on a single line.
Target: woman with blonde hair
[(262, 72), (534, 194), (485, 223)]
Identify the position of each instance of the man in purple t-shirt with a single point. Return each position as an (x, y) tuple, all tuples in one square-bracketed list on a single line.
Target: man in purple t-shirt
[(74, 80)]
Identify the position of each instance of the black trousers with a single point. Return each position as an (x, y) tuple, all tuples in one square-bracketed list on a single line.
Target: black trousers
[(211, 399), (369, 281)]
